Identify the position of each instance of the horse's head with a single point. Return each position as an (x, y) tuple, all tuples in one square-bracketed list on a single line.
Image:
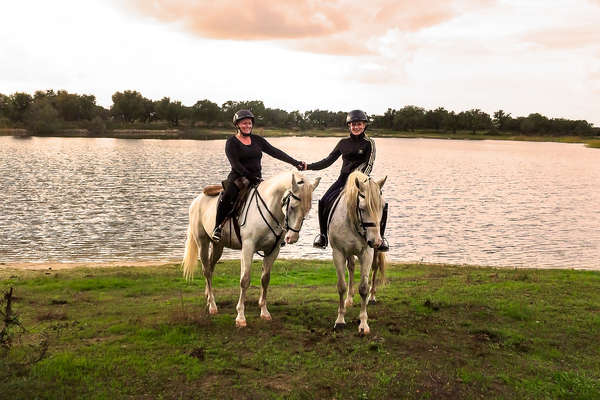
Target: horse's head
[(365, 203), (296, 205)]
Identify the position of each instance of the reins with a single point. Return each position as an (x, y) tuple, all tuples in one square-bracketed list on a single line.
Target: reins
[(285, 201)]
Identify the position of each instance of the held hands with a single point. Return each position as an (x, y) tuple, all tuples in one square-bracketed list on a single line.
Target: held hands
[(302, 166)]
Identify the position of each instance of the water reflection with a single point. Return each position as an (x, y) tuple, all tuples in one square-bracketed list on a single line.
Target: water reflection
[(473, 202)]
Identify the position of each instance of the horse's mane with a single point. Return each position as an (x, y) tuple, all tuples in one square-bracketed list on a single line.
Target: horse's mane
[(372, 196), (306, 192), (285, 179)]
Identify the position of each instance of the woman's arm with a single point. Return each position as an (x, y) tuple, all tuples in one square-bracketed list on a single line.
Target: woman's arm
[(274, 151), (367, 166), (327, 161), (233, 156)]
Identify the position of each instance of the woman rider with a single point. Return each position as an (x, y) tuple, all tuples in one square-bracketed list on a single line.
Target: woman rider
[(358, 152), (244, 152)]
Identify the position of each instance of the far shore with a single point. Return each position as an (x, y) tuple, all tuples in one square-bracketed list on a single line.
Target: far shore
[(220, 133)]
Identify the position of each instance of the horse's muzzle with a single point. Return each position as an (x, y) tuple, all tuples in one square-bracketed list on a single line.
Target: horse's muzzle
[(374, 244)]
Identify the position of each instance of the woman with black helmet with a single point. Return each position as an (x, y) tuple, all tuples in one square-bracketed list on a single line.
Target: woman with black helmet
[(244, 152), (358, 152)]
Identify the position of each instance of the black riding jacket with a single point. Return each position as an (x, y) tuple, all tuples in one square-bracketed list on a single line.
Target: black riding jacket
[(245, 160), (357, 151)]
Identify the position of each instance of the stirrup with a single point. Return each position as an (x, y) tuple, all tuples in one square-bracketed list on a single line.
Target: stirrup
[(320, 241), (384, 246), (216, 235)]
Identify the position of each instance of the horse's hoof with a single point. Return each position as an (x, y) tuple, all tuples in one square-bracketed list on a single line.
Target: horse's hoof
[(363, 331), (213, 311), (372, 302), (240, 324), (339, 327), (266, 317)]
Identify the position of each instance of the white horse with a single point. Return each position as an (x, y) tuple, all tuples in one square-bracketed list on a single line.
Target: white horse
[(273, 211), (354, 231)]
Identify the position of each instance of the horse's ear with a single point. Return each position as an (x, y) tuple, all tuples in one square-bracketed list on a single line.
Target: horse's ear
[(295, 187), (382, 182), (316, 182), (358, 184)]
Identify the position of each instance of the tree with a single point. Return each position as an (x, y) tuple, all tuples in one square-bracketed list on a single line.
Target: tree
[(475, 120), (206, 111), (18, 103), (128, 106), (435, 119), (450, 122), (170, 111), (41, 117), (74, 107), (501, 119)]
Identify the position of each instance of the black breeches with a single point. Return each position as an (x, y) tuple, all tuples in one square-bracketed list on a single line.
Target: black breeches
[(226, 201), (327, 200)]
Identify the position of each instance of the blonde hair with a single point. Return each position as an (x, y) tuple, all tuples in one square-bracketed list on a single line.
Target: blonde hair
[(372, 195)]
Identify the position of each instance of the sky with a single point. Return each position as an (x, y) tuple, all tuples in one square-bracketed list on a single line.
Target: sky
[(519, 56)]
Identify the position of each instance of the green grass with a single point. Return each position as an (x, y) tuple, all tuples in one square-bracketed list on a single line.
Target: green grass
[(437, 332), (594, 144)]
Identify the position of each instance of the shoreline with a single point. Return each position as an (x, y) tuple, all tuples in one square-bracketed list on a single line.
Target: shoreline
[(220, 134)]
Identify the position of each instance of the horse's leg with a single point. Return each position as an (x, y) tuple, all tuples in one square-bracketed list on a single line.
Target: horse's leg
[(350, 266), (207, 269), (264, 281), (366, 258), (340, 266), (245, 267), (375, 269), (215, 255)]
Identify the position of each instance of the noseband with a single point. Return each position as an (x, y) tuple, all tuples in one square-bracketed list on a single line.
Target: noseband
[(286, 202), (364, 225)]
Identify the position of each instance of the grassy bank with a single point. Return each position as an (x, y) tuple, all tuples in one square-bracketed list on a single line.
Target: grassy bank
[(220, 133), (437, 332)]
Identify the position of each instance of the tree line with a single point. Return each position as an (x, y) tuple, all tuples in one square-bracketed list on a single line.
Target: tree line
[(48, 111)]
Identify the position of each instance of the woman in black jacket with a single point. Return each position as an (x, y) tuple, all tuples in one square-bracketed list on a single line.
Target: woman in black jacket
[(244, 152), (358, 152)]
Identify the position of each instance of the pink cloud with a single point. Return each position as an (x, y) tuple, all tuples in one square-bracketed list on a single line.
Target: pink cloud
[(571, 37), (326, 26)]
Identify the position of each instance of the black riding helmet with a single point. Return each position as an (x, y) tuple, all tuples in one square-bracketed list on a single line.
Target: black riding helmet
[(356, 115), (242, 114)]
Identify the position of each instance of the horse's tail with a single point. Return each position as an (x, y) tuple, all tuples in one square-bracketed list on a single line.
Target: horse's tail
[(380, 260), (190, 256)]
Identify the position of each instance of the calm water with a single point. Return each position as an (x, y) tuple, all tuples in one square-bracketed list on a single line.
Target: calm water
[(473, 202)]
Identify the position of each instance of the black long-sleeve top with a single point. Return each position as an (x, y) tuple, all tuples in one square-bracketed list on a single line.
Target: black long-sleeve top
[(245, 159), (357, 151)]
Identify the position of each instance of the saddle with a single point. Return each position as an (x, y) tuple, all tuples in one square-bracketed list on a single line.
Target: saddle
[(217, 190)]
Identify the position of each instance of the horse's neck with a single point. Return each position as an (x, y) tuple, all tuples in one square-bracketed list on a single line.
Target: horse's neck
[(273, 189)]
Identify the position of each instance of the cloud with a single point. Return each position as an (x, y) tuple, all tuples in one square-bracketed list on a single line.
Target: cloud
[(567, 37), (310, 21)]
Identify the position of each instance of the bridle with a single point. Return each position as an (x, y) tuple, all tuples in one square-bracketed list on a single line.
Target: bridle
[(285, 202), (364, 225)]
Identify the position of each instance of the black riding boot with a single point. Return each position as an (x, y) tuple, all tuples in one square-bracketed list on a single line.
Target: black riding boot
[(224, 208), (321, 239), (384, 243)]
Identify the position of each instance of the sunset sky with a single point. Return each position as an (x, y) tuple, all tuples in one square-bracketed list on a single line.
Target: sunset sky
[(520, 56)]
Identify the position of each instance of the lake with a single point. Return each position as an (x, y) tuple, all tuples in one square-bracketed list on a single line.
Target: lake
[(497, 203)]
